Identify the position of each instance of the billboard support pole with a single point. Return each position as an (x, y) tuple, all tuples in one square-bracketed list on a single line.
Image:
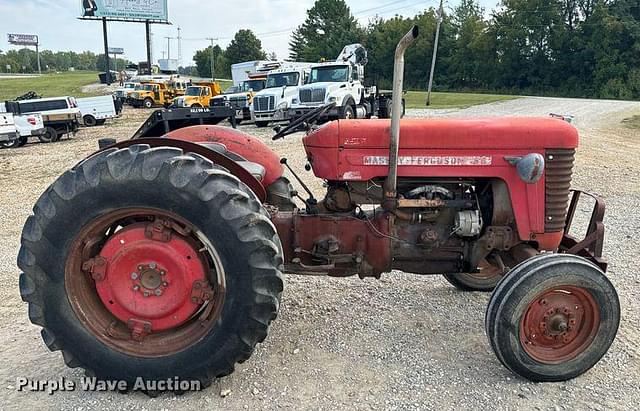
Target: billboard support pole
[(148, 31), (38, 53), (106, 51)]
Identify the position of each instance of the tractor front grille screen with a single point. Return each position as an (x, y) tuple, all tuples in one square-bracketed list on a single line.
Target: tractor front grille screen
[(264, 103), (559, 168), (315, 95)]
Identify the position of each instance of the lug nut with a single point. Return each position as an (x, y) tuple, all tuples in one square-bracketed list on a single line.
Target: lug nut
[(152, 266), (134, 276), (163, 273), (139, 267), (165, 284), (158, 292), (136, 287), (146, 294)]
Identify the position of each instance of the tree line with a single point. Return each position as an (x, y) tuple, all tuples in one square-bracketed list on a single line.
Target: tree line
[(578, 48), (26, 61), (574, 48)]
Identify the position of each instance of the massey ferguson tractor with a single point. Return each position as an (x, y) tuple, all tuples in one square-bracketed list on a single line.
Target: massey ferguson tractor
[(163, 257)]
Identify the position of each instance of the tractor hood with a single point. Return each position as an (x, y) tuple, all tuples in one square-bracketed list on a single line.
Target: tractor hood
[(481, 133), (359, 149)]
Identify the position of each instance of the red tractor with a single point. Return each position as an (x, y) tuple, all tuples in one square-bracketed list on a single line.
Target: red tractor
[(163, 257)]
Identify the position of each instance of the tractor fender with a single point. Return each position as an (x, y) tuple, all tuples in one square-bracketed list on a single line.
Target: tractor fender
[(242, 144), (191, 147)]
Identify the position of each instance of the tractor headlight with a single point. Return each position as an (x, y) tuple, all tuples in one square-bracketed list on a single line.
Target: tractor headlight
[(333, 99), (283, 106), (294, 101)]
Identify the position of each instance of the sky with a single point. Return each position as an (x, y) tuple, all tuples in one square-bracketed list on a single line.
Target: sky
[(56, 23)]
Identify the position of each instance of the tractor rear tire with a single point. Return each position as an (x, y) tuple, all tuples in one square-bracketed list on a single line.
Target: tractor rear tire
[(552, 317), (223, 215)]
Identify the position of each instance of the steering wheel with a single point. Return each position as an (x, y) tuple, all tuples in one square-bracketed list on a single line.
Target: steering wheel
[(310, 117)]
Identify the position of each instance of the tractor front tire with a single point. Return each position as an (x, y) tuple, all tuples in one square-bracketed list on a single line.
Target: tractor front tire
[(552, 317), (214, 222)]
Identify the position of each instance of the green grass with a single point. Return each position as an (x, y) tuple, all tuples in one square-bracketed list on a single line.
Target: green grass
[(632, 122), (48, 85), (418, 99)]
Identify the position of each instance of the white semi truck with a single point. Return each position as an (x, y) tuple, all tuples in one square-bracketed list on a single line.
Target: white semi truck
[(274, 101), (341, 82)]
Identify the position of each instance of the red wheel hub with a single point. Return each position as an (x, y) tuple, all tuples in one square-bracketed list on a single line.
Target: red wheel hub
[(559, 324), (150, 283)]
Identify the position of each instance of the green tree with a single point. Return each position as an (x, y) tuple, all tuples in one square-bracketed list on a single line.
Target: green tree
[(329, 26), (245, 46), (203, 62), (469, 46)]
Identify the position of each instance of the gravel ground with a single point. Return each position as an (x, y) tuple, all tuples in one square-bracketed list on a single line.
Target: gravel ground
[(390, 344)]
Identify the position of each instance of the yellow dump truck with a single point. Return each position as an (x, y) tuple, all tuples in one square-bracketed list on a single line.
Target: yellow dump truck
[(151, 95), (198, 95)]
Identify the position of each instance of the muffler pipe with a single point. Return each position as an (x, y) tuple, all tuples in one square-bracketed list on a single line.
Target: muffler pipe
[(391, 183)]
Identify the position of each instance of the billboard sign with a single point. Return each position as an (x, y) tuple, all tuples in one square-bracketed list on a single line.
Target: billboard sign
[(125, 9), (116, 50), (23, 39)]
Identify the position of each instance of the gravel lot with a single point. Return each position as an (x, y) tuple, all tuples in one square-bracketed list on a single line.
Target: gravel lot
[(405, 342)]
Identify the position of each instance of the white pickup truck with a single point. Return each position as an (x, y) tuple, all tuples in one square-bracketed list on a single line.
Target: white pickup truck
[(274, 101), (15, 130)]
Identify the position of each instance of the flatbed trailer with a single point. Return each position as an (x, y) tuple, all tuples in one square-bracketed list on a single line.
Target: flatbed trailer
[(164, 121)]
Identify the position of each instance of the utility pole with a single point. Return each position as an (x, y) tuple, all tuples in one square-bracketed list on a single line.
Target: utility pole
[(439, 18), (213, 57), (179, 47), (169, 47)]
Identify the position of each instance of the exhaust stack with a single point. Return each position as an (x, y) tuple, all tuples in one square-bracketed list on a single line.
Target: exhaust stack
[(390, 185)]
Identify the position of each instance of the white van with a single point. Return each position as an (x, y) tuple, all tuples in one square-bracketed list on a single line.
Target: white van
[(96, 110)]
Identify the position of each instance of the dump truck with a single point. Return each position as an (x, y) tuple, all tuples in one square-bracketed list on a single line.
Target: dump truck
[(163, 258), (151, 95), (198, 94)]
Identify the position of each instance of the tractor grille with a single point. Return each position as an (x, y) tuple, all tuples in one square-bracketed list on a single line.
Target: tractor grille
[(238, 102), (559, 168), (264, 103), (315, 95)]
